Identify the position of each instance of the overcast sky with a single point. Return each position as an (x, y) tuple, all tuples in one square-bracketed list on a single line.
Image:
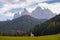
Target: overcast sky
[(9, 7)]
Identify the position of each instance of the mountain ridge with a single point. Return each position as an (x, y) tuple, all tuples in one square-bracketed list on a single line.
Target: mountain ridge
[(39, 13), (21, 24)]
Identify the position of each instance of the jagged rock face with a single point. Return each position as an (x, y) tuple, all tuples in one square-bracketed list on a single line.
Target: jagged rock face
[(16, 15), (48, 13), (38, 13), (25, 12), (42, 13)]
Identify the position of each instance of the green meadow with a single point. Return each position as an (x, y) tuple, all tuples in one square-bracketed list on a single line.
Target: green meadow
[(49, 37)]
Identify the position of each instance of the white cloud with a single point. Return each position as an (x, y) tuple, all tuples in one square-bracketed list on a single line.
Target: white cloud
[(15, 0), (11, 6), (9, 14), (30, 1), (4, 17), (25, 3), (5, 8), (8, 6), (53, 7)]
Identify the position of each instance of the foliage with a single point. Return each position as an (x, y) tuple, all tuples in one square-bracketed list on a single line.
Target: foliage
[(49, 27)]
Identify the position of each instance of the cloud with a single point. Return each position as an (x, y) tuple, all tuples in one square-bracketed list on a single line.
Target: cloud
[(15, 10), (11, 1), (7, 4), (1, 5), (9, 14), (9, 7), (52, 1), (55, 7)]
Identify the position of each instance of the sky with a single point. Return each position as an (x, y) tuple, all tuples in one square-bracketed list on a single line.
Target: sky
[(9, 7)]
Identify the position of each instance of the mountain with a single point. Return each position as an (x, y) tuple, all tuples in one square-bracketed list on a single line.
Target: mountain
[(38, 13), (48, 13), (42, 13), (25, 12), (20, 24), (49, 27), (16, 15)]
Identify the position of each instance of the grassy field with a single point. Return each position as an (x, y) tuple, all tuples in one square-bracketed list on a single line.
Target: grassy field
[(49, 37)]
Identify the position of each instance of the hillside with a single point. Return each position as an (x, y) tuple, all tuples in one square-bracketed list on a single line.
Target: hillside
[(49, 27), (21, 24)]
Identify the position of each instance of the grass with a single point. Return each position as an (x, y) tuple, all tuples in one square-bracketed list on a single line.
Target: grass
[(49, 37)]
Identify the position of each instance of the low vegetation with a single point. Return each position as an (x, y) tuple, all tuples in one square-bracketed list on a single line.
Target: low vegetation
[(49, 37)]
